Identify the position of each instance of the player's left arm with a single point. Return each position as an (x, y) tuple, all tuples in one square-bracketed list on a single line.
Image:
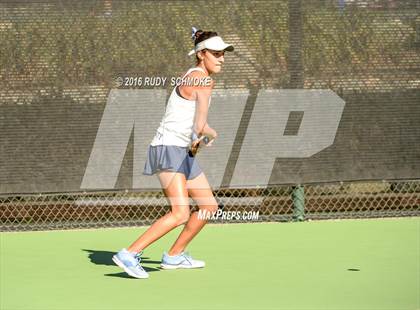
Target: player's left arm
[(211, 133)]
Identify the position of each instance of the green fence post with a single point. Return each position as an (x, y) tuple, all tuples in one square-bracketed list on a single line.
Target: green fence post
[(298, 196)]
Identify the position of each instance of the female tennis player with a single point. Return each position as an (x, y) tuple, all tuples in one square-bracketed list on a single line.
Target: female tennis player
[(169, 156)]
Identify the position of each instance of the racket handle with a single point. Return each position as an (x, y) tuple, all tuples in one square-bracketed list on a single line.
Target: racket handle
[(204, 139)]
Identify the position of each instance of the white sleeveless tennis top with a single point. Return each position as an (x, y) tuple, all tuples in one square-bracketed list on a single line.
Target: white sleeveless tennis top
[(176, 127)]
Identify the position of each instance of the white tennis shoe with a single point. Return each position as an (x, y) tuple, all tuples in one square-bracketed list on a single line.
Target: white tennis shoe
[(180, 261), (130, 263)]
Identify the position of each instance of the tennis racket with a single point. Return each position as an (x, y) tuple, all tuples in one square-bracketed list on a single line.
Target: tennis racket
[(198, 144)]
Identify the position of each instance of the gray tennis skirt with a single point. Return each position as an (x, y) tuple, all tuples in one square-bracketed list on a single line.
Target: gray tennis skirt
[(171, 158)]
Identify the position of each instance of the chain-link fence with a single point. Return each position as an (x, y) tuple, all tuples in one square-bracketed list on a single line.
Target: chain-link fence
[(280, 203), (61, 59)]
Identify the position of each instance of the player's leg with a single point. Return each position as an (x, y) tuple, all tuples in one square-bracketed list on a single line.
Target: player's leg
[(199, 189), (174, 186)]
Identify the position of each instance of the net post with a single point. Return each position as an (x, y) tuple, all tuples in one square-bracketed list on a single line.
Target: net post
[(298, 197)]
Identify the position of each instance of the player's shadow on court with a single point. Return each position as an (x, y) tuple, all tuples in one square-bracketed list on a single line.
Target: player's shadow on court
[(104, 258)]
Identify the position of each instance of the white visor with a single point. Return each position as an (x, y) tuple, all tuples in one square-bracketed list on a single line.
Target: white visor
[(214, 43)]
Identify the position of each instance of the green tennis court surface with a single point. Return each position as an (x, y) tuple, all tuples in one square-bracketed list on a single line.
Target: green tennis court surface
[(348, 264)]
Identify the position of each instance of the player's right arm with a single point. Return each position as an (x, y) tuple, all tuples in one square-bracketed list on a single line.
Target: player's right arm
[(201, 127), (201, 94)]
